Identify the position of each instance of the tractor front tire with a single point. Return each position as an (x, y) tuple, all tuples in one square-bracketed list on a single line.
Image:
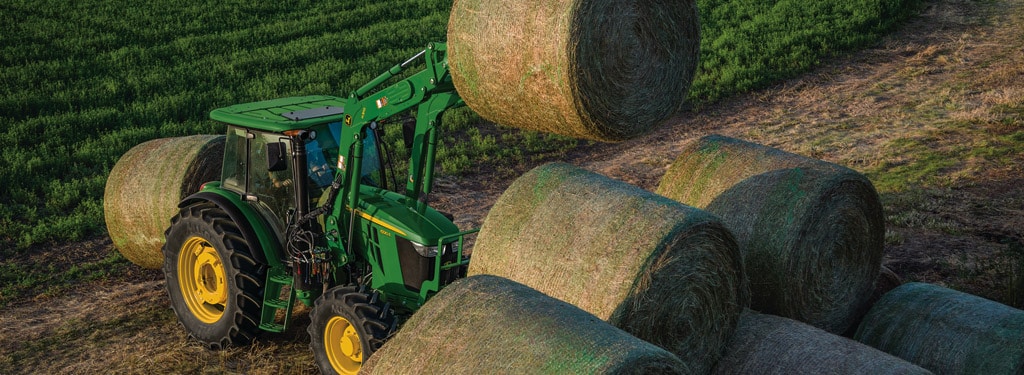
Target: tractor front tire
[(347, 325), (214, 283)]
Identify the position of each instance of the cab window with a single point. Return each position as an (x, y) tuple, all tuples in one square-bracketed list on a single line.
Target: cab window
[(372, 168)]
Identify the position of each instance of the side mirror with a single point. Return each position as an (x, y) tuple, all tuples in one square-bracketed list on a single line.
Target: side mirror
[(276, 160)]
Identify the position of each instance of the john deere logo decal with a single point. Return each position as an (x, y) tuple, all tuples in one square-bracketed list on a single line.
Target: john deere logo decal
[(348, 120)]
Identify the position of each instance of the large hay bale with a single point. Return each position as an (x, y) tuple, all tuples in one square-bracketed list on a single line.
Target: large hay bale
[(768, 344), (664, 272), (606, 70), (946, 331), (145, 186), (491, 325), (811, 232)]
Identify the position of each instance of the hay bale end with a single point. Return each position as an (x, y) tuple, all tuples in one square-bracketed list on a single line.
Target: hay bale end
[(145, 186), (811, 232), (605, 70)]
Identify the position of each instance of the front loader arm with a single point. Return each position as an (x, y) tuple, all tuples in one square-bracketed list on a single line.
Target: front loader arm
[(430, 91)]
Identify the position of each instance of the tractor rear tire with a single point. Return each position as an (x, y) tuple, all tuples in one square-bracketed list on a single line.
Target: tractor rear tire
[(347, 325), (214, 283)]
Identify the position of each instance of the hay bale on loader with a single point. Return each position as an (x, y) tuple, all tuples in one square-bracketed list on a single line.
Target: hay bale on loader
[(664, 272), (811, 232), (946, 331), (145, 186), (490, 324), (768, 344), (605, 70)]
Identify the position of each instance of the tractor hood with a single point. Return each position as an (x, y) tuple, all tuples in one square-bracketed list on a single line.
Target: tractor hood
[(393, 212)]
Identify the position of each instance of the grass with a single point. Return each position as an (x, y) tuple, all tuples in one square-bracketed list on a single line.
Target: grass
[(35, 275), (749, 44)]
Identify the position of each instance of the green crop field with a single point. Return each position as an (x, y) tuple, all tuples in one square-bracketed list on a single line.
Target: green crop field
[(84, 81)]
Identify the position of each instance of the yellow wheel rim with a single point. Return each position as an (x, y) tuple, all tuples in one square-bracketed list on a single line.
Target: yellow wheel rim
[(201, 276), (344, 350)]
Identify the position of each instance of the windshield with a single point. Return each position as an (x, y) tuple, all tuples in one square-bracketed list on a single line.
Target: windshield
[(322, 158)]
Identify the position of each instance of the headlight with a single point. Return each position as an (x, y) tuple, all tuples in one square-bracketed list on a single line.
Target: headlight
[(431, 251), (424, 250)]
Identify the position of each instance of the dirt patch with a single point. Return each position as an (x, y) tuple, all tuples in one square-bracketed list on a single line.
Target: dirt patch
[(933, 115)]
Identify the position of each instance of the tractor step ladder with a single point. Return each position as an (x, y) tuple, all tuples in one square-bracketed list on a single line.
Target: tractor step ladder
[(277, 279)]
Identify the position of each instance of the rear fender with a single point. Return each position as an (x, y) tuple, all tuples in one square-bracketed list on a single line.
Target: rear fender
[(254, 228)]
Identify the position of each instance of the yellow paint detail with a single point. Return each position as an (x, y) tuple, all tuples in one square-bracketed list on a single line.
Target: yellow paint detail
[(385, 233), (343, 347), (201, 277), (377, 221)]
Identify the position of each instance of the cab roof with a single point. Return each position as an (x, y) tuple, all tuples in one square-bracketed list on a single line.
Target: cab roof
[(283, 114)]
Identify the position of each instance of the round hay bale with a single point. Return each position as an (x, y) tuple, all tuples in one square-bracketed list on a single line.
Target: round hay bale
[(946, 331), (486, 324), (146, 185), (768, 344), (811, 232), (664, 272), (605, 70)]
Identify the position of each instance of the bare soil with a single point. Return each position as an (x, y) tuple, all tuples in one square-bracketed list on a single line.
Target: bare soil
[(950, 82)]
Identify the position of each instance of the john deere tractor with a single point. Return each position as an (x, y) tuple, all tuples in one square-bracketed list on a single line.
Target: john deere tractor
[(306, 209)]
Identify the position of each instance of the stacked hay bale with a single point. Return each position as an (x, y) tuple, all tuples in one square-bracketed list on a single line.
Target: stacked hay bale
[(605, 70), (946, 331), (664, 272), (460, 328), (811, 232), (768, 344), (145, 186)]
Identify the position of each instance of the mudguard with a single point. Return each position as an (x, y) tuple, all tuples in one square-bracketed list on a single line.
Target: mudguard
[(254, 228)]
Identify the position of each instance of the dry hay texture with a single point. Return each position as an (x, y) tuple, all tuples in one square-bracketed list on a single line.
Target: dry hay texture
[(146, 185), (606, 70), (768, 344), (491, 325), (811, 232), (946, 331), (664, 272)]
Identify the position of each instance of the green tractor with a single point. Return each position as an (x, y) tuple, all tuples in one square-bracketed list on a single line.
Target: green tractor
[(307, 209)]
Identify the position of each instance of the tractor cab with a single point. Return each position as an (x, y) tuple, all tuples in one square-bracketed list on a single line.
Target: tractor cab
[(262, 139)]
